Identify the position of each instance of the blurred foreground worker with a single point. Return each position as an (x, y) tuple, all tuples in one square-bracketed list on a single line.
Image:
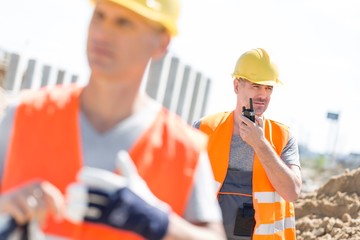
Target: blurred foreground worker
[(255, 160), (50, 137)]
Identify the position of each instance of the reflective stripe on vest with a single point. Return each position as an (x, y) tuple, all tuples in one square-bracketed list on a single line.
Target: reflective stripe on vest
[(278, 226), (166, 155), (268, 197), (274, 217)]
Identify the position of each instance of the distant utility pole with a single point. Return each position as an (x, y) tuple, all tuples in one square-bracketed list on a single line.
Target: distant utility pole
[(333, 134)]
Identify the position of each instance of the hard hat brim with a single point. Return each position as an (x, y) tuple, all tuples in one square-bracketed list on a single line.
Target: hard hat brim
[(275, 82), (149, 14), (269, 83)]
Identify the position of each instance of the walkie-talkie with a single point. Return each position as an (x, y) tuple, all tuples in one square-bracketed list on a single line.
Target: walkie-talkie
[(249, 113)]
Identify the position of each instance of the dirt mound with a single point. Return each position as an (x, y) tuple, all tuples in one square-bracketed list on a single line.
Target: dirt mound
[(332, 211)]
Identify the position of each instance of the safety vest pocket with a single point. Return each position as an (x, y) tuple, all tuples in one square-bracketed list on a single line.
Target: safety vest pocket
[(245, 221)]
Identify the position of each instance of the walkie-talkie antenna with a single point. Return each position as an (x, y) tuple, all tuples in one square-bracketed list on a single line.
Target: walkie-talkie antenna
[(251, 105)]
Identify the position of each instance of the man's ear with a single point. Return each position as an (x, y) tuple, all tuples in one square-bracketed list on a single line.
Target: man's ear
[(236, 85), (163, 43)]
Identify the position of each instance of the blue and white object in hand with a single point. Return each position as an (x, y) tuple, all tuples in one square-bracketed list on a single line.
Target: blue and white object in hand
[(120, 201)]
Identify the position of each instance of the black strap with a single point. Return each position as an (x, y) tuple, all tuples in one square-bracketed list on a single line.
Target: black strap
[(12, 227)]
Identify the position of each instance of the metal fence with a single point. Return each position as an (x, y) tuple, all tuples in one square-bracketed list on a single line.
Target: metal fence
[(176, 85)]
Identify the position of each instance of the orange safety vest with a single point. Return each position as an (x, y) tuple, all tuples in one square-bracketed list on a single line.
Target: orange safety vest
[(275, 218), (45, 145)]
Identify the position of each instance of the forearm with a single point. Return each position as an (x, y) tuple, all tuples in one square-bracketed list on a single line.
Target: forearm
[(285, 181), (179, 229)]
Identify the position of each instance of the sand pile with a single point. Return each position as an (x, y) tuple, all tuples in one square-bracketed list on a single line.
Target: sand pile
[(332, 211)]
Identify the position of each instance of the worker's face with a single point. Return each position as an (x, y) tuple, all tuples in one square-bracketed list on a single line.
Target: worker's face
[(261, 95), (120, 42)]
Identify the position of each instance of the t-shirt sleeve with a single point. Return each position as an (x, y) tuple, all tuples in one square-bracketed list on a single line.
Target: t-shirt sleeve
[(203, 205), (290, 154)]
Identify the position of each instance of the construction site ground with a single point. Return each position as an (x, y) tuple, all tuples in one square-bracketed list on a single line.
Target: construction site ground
[(329, 206)]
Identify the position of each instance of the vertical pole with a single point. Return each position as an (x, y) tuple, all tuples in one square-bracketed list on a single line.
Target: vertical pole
[(170, 84), (60, 77), (29, 75), (10, 76), (46, 69)]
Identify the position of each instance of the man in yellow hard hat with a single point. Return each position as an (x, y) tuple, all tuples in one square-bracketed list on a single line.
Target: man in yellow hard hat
[(105, 161), (255, 160)]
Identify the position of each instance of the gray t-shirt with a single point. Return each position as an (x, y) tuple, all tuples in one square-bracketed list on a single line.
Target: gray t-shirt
[(100, 150)]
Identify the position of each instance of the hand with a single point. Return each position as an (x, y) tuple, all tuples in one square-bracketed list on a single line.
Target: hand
[(251, 132), (123, 202), (26, 207)]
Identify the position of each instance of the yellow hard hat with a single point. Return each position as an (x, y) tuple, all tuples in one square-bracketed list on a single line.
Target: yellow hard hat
[(255, 66), (164, 12)]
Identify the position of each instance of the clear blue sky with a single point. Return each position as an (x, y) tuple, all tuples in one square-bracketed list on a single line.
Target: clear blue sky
[(315, 44)]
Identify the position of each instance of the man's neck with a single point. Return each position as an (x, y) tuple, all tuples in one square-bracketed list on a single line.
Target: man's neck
[(107, 103)]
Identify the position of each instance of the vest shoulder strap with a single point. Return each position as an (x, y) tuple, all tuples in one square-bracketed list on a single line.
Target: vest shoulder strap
[(209, 123)]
